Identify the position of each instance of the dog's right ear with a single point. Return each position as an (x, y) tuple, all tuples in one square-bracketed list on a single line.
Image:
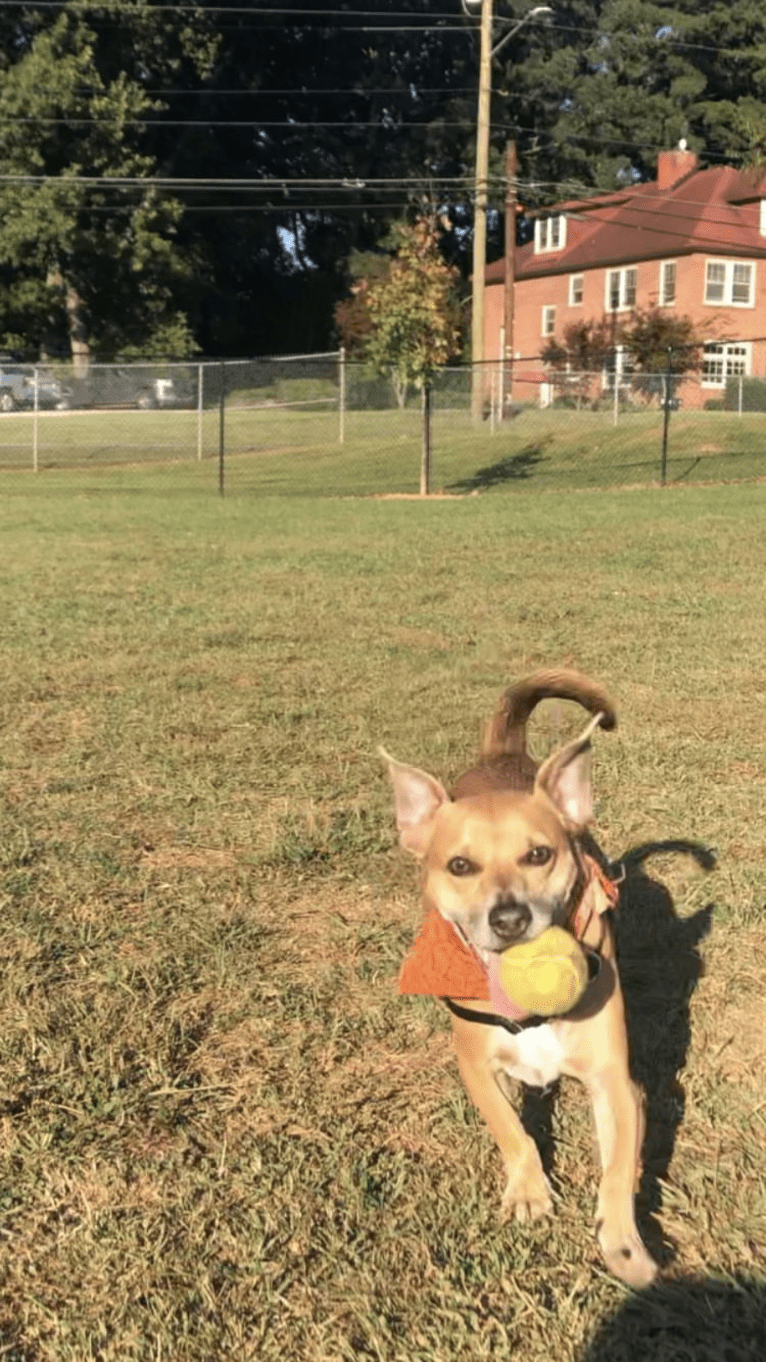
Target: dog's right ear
[(417, 799)]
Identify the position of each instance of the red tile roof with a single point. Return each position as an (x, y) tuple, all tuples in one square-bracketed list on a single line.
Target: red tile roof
[(714, 211)]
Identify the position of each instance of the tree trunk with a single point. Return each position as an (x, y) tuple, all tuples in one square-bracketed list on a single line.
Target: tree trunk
[(425, 457), (79, 343), (78, 332), (400, 386)]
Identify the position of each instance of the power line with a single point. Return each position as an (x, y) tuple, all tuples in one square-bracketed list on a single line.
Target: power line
[(440, 23), (447, 22), (203, 182), (411, 92), (725, 248), (279, 10), (653, 213), (154, 120), (344, 182), (384, 205)]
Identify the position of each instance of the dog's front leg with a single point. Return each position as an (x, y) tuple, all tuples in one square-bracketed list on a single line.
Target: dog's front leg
[(527, 1193), (618, 1115)]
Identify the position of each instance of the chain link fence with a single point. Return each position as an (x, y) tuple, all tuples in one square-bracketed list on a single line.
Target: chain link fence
[(323, 425)]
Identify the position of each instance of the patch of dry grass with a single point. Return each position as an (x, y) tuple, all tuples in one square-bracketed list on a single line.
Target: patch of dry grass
[(223, 1134)]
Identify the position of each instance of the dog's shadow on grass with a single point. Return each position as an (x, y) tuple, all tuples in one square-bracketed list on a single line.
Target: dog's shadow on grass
[(660, 965), (688, 1318), (513, 468)]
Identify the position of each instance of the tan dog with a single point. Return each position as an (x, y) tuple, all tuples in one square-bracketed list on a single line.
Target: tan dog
[(503, 860)]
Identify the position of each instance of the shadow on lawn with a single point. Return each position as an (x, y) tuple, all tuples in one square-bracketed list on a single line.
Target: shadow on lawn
[(698, 1319), (510, 469), (660, 966)]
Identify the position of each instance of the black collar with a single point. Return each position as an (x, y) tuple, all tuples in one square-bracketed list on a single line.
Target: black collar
[(524, 1023)]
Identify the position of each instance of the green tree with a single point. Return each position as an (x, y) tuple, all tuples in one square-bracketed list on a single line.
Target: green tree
[(658, 346), (585, 345), (87, 255), (348, 110), (320, 127), (653, 339), (414, 312), (635, 78), (414, 309), (584, 350), (653, 342), (353, 319)]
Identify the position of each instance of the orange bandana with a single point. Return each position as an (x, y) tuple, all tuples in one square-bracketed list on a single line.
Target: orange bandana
[(439, 963)]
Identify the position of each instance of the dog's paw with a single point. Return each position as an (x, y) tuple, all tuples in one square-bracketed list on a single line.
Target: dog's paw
[(627, 1258), (527, 1197)]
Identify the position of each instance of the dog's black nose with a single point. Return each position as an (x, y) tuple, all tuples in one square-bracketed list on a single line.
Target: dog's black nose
[(509, 919)]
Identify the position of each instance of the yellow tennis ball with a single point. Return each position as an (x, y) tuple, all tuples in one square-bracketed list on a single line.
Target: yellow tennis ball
[(545, 976)]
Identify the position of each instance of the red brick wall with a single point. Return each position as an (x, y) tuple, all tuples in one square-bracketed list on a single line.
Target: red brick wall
[(714, 323)]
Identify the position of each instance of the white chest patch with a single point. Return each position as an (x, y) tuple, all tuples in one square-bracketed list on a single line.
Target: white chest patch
[(535, 1057)]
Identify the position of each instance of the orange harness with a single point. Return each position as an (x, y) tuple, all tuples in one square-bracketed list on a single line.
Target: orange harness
[(441, 964)]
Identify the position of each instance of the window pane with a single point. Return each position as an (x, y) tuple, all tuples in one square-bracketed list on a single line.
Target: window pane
[(715, 280), (736, 360), (555, 226), (631, 279), (668, 287), (740, 288), (613, 289), (722, 361), (712, 364), (712, 371)]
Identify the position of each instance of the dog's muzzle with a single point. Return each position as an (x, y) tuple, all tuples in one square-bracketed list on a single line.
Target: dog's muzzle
[(509, 920)]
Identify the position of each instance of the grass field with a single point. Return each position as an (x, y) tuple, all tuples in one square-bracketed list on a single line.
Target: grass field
[(272, 450), (223, 1134)]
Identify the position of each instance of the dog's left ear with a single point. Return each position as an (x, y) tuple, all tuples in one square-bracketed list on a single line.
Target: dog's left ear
[(417, 797), (566, 778)]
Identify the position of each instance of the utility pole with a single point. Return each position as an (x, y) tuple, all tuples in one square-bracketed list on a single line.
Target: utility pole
[(510, 264), (487, 52), (480, 213)]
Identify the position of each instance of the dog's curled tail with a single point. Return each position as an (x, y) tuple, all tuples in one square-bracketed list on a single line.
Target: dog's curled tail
[(506, 732)]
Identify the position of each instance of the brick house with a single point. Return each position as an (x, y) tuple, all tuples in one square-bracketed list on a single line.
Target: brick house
[(692, 241)]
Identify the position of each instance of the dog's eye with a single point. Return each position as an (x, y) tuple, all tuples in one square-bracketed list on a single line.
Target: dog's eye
[(460, 865), (538, 856)]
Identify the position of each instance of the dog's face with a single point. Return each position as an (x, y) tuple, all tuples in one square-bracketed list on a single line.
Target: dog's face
[(501, 865)]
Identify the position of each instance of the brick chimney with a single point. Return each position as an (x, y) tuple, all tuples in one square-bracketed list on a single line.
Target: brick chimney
[(673, 165)]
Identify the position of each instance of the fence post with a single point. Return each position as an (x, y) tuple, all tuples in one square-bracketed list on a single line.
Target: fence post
[(666, 418), (425, 458), (342, 395), (492, 400), (739, 403), (221, 410), (34, 422), (199, 412)]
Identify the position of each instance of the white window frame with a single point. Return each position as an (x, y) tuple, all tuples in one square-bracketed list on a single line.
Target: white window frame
[(735, 358), (727, 270), (548, 321), (626, 295), (668, 269), (762, 222), (618, 368), (576, 281), (550, 233)]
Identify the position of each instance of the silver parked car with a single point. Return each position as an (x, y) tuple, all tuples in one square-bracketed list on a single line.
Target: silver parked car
[(20, 391)]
